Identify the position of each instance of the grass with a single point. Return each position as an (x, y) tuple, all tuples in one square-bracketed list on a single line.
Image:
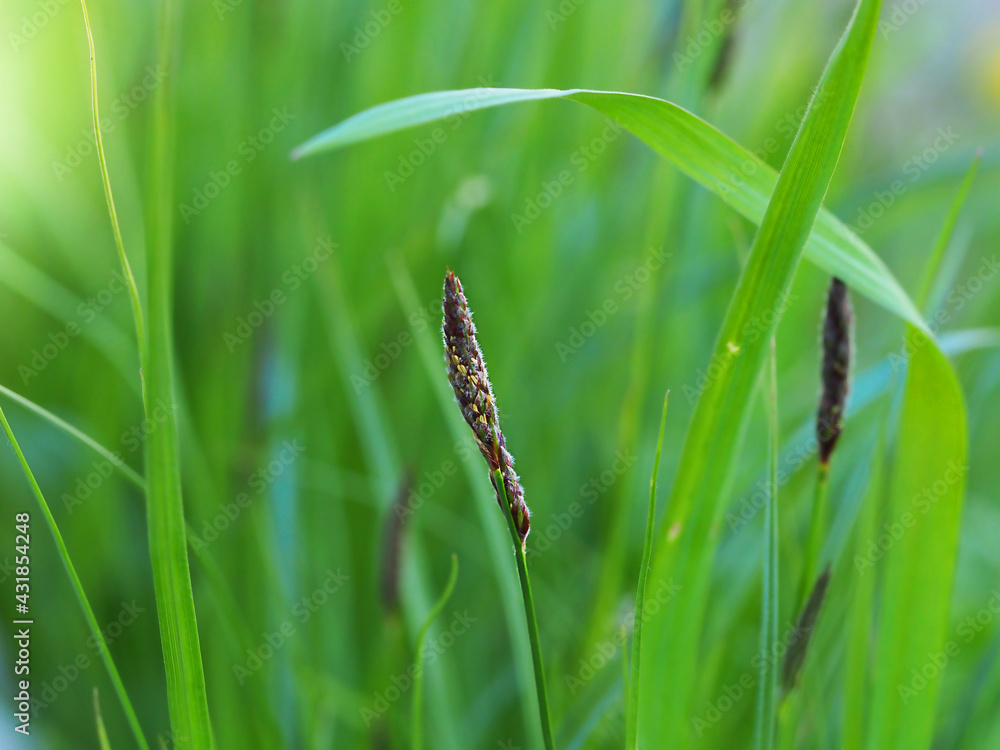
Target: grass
[(417, 728), (167, 534), (95, 629), (116, 300), (635, 659), (765, 719)]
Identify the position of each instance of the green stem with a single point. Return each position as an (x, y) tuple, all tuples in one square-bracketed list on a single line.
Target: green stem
[(817, 534), (417, 723), (88, 611), (632, 684), (133, 290), (529, 615)]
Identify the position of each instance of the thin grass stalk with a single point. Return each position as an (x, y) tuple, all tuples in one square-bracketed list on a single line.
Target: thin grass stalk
[(470, 382), (947, 230), (133, 290), (632, 683), (529, 614), (417, 722), (95, 628), (186, 692)]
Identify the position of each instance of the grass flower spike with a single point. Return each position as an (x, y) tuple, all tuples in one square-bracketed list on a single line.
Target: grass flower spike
[(468, 378), (835, 383), (835, 369)]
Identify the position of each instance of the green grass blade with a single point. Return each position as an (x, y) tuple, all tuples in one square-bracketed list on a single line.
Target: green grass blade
[(703, 153), (857, 683), (186, 692), (221, 591), (765, 720), (81, 595), (918, 570), (947, 230), (926, 497), (712, 445), (102, 733), (222, 594), (133, 291), (416, 110), (417, 727), (632, 681), (126, 471)]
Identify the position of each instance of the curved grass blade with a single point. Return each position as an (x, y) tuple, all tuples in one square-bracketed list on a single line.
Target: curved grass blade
[(88, 612), (712, 444), (221, 593), (417, 725), (703, 153), (126, 471), (632, 681), (925, 498), (927, 480)]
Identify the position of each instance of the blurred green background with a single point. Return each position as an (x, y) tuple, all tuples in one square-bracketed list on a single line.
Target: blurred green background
[(307, 308)]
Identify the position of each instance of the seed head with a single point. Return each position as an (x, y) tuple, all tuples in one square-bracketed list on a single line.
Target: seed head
[(798, 649), (468, 378), (835, 369)]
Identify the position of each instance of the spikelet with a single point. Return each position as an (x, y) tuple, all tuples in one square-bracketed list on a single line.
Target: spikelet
[(474, 393), (835, 370)]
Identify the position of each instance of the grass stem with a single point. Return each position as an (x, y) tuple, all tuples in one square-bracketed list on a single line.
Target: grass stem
[(529, 614), (95, 628), (133, 290), (417, 723), (632, 698)]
